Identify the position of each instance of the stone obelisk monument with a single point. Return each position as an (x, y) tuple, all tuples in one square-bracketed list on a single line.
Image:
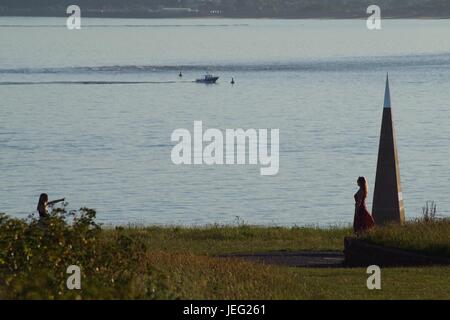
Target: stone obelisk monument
[(387, 197)]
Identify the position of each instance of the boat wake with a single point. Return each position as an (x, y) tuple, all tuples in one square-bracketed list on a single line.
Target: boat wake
[(19, 83)]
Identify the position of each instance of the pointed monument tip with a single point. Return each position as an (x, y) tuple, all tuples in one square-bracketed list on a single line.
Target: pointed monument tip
[(387, 94)]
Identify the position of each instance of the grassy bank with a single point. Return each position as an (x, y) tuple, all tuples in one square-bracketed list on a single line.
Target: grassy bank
[(213, 240), (175, 262), (429, 238)]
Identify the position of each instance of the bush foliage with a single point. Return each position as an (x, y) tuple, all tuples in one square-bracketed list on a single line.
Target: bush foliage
[(34, 256)]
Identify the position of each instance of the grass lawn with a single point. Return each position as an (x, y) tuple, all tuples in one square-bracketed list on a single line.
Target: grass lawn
[(177, 262), (213, 240), (200, 277), (430, 238)]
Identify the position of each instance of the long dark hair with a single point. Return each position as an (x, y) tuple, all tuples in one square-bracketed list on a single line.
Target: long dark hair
[(43, 198), (362, 182)]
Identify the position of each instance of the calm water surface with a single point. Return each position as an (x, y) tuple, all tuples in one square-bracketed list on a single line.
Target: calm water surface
[(107, 146)]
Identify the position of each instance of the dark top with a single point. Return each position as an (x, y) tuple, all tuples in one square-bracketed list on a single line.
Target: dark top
[(42, 209)]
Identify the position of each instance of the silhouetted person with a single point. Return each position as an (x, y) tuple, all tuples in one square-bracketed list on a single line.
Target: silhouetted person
[(44, 203), (232, 81), (180, 74), (363, 220)]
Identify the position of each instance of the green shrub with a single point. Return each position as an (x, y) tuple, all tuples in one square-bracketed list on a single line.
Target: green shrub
[(35, 254)]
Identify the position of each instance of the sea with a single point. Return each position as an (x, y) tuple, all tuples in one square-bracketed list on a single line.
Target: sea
[(88, 115)]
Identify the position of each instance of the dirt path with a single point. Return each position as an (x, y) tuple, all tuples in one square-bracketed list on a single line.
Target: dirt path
[(311, 259)]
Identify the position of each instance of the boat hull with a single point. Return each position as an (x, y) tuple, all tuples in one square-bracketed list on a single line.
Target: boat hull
[(207, 80)]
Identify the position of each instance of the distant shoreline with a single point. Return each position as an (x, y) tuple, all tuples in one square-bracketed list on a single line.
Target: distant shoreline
[(141, 14), (234, 18), (248, 9)]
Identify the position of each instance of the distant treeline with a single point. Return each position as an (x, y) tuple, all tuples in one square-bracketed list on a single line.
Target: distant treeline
[(229, 8)]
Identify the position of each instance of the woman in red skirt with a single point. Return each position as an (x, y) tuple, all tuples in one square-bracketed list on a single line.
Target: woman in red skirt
[(363, 220)]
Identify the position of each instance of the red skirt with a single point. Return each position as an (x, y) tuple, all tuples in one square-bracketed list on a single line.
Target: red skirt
[(363, 220)]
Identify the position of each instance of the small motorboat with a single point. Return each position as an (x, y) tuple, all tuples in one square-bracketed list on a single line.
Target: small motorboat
[(207, 78)]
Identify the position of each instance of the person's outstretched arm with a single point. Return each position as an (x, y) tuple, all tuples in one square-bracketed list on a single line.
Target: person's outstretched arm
[(50, 203)]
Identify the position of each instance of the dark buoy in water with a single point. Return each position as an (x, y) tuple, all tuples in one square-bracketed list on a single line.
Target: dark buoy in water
[(180, 74), (232, 81)]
